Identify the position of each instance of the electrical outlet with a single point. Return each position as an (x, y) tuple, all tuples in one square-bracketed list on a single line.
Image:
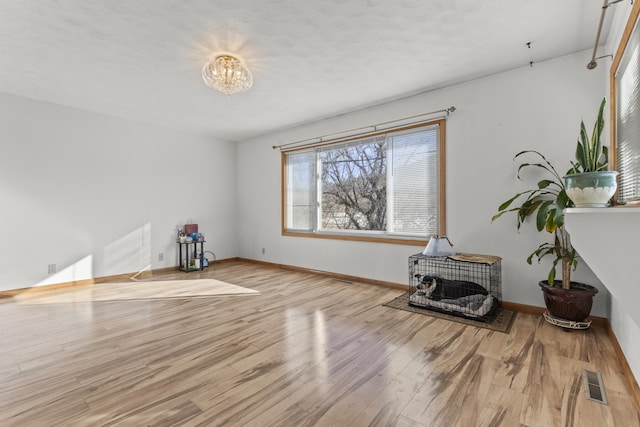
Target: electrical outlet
[(160, 256), (262, 251), (51, 269)]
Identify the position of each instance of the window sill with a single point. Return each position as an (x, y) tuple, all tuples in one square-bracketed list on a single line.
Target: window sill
[(371, 239)]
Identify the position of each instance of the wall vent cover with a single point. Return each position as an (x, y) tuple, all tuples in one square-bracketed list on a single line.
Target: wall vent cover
[(594, 387)]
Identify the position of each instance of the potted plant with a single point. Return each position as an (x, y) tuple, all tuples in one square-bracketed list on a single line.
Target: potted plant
[(546, 201), (589, 183)]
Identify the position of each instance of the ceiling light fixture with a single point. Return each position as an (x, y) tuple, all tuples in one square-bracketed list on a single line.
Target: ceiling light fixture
[(227, 74)]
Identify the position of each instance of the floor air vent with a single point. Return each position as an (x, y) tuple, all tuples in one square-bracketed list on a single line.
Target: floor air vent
[(594, 387)]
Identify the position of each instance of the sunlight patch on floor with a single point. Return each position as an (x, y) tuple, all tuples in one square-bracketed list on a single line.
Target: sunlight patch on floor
[(123, 291)]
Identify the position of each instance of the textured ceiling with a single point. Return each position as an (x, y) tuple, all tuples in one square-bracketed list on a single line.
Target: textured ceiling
[(142, 59)]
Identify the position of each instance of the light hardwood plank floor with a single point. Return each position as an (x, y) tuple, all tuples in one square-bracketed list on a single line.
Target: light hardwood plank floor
[(306, 350)]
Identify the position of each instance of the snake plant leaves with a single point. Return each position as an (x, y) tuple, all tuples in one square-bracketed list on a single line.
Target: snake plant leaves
[(582, 149), (597, 132), (605, 161), (590, 151)]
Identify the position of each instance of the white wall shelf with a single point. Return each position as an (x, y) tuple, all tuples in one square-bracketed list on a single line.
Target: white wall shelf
[(607, 240)]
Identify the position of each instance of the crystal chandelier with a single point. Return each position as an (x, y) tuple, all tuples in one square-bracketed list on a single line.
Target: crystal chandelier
[(227, 74)]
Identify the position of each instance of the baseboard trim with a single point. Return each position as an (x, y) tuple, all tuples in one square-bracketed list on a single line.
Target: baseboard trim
[(626, 369), (338, 276), (10, 293), (523, 308), (601, 322)]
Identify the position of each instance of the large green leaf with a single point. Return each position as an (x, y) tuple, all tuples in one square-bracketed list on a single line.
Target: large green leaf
[(534, 165), (551, 225), (552, 273), (541, 251), (506, 204), (545, 183), (529, 208), (563, 201), (498, 215), (541, 218), (558, 217)]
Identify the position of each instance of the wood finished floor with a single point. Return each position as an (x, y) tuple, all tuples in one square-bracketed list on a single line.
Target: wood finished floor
[(307, 351)]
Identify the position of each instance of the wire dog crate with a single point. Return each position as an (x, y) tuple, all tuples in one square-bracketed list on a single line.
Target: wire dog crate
[(464, 285)]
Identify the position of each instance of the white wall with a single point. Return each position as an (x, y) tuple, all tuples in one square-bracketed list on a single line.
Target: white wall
[(537, 107), (99, 196)]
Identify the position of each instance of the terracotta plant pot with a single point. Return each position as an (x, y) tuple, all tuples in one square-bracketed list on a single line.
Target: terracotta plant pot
[(569, 304)]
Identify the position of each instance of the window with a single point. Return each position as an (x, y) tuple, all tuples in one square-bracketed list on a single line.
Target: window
[(625, 92), (385, 186)]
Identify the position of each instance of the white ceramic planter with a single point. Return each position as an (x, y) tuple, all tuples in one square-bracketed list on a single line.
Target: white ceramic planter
[(591, 189)]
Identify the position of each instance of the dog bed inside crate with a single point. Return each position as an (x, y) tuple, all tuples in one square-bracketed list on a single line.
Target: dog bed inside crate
[(469, 306)]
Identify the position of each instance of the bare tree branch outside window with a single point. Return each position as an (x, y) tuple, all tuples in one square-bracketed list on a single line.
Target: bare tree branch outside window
[(354, 193)]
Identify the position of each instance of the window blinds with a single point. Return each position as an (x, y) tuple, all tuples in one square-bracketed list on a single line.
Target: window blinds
[(301, 191), (628, 122), (414, 181)]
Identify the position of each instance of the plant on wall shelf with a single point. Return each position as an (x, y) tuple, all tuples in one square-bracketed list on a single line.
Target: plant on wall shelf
[(589, 183)]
